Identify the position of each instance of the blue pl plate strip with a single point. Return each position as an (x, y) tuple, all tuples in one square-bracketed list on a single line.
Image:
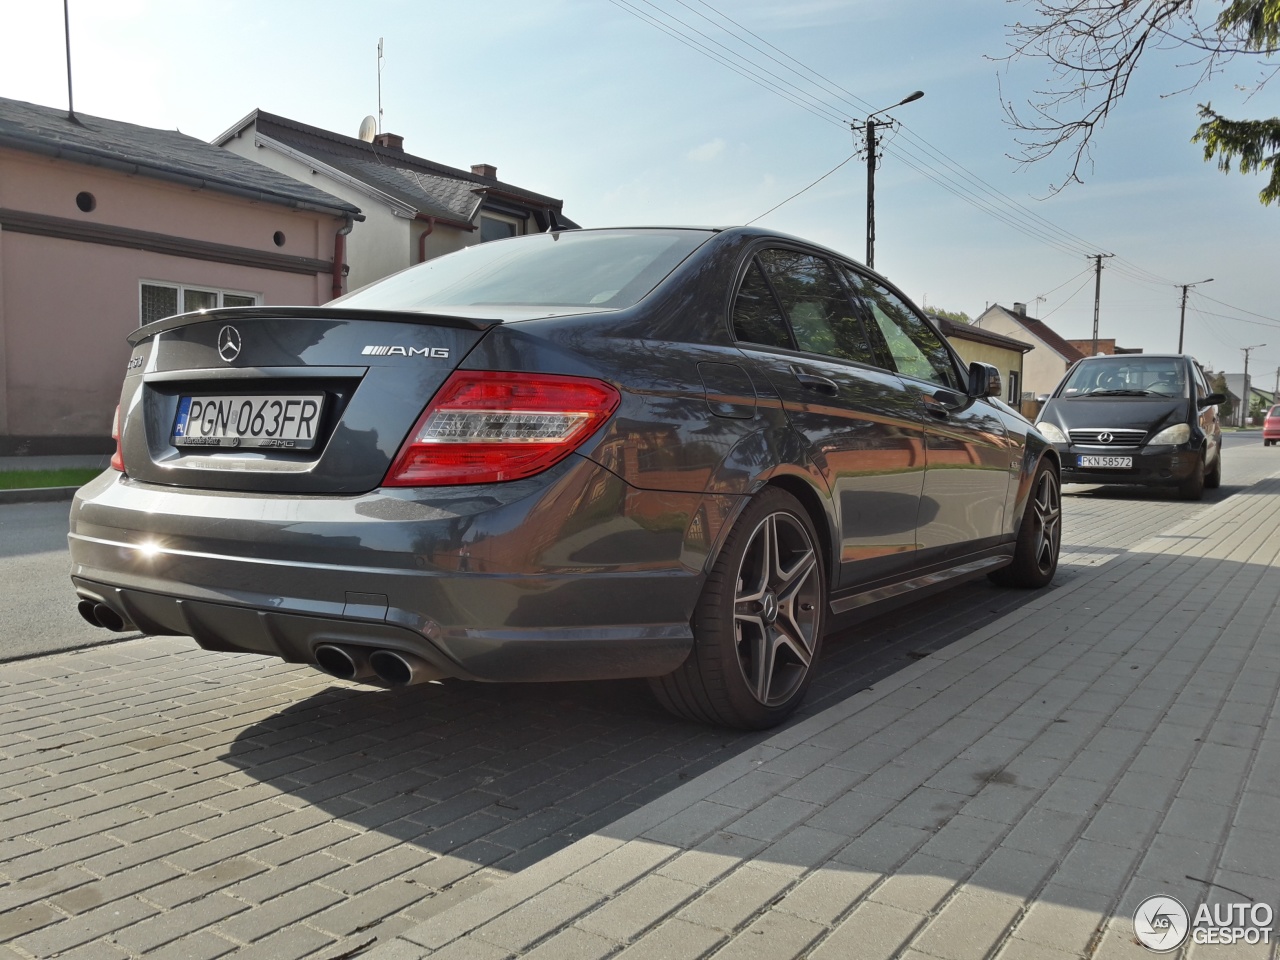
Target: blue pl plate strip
[(184, 411)]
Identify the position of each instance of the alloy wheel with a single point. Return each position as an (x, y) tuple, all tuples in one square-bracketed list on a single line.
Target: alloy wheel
[(776, 608), (1047, 509)]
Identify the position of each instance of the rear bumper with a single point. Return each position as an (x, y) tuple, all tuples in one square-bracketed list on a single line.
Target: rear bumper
[(511, 582), (1162, 466)]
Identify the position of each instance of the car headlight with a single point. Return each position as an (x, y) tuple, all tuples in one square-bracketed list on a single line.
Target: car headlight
[(1051, 432), (1178, 433)]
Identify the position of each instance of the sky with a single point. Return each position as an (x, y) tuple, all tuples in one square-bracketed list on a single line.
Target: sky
[(588, 102)]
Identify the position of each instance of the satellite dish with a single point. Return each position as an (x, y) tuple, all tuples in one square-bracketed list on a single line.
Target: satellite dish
[(368, 127)]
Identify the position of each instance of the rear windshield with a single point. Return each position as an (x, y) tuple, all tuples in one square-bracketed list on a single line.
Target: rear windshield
[(1130, 377), (607, 269)]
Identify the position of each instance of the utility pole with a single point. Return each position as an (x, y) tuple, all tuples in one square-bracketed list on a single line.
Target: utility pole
[(1244, 401), (871, 192), (869, 129), (1097, 296), (1182, 320)]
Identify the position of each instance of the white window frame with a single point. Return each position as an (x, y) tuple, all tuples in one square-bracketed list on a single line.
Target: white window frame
[(503, 218), (182, 288)]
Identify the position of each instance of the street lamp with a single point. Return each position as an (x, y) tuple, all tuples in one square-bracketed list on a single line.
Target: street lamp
[(1182, 321), (1244, 401), (869, 127)]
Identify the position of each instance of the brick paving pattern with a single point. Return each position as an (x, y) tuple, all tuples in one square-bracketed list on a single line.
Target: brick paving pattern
[(1015, 794), (159, 801)]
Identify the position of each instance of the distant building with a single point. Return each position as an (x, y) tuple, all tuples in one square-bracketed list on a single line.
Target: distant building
[(1106, 347), (105, 225), (415, 209), (1258, 396), (1051, 357), (985, 346)]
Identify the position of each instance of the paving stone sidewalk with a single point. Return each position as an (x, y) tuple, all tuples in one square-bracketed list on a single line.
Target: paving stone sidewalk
[(1013, 795)]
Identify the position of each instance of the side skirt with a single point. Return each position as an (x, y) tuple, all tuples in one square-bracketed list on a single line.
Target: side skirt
[(961, 568)]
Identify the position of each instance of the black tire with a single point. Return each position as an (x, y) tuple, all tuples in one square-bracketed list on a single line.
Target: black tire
[(757, 629), (1213, 479), (1193, 487), (1035, 556)]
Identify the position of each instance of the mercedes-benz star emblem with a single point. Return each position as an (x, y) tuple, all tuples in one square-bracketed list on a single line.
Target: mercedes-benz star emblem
[(1103, 437), (228, 343)]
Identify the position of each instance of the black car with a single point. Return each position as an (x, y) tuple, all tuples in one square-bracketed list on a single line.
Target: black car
[(1137, 418), (666, 453)]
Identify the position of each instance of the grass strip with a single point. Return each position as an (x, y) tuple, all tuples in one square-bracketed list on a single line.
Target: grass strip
[(66, 477)]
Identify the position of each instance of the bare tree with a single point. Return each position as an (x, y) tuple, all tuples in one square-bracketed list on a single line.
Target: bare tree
[(1093, 47)]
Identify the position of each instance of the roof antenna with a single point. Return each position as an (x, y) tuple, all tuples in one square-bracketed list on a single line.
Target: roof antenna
[(379, 82), (66, 19)]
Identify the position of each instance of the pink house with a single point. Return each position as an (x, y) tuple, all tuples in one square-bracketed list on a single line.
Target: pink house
[(105, 225)]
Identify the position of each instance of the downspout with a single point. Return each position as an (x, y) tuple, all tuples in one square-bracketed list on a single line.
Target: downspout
[(422, 239), (340, 255)]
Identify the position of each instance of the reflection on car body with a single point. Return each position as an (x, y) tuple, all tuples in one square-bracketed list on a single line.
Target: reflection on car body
[(671, 453)]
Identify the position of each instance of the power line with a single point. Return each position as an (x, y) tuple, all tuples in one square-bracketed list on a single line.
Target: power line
[(798, 192), (928, 160), (1070, 298), (710, 54)]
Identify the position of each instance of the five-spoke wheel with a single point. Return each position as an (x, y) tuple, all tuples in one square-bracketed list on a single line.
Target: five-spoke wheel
[(1035, 556), (758, 625)]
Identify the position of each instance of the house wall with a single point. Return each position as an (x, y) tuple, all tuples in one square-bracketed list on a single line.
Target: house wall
[(377, 246), (66, 305), (1003, 359), (1043, 367), (444, 239)]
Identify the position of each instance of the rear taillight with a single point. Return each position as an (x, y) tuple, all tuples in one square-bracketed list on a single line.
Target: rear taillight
[(485, 426), (117, 458)]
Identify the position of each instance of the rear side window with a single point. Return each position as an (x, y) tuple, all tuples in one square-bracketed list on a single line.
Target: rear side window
[(756, 317), (574, 268), (822, 317)]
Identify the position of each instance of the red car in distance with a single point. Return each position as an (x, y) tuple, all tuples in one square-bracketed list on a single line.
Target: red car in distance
[(1271, 426)]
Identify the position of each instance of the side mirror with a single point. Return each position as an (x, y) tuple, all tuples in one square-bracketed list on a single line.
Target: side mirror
[(1043, 398), (984, 380), (1212, 400)]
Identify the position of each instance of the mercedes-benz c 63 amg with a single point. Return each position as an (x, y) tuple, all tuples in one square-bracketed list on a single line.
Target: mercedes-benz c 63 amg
[(678, 454)]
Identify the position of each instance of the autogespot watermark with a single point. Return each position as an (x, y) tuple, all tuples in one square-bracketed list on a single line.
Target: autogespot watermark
[(1162, 923)]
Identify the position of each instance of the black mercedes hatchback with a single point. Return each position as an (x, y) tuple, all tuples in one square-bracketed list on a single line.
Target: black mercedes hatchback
[(678, 454), (1137, 418)]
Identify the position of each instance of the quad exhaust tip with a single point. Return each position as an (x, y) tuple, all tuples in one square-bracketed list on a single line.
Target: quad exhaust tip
[(345, 663), (100, 615), (392, 667)]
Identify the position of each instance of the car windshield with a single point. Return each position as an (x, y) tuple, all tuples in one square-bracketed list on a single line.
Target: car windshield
[(1130, 377), (606, 269)]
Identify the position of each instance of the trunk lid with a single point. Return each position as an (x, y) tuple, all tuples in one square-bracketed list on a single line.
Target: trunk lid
[(293, 400)]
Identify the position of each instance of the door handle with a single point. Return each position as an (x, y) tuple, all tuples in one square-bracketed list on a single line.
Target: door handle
[(937, 412), (813, 382)]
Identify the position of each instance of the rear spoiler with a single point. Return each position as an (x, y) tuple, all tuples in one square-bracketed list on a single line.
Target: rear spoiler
[(231, 314)]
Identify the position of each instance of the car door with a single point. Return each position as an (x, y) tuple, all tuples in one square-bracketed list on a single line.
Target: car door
[(794, 319), (1208, 416), (970, 454)]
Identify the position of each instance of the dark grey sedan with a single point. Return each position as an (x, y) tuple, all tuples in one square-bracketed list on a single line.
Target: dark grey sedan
[(679, 454)]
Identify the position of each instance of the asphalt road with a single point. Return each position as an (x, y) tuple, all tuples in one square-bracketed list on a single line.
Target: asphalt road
[(37, 607)]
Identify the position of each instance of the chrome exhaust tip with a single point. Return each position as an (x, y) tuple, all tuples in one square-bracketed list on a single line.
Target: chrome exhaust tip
[(106, 617), (345, 663), (85, 609), (402, 669)]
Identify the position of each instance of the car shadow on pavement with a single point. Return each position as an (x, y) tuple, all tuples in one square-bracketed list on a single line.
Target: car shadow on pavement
[(502, 775)]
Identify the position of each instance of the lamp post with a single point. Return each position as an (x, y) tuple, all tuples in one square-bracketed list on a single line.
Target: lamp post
[(1244, 401), (869, 127), (1182, 320)]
